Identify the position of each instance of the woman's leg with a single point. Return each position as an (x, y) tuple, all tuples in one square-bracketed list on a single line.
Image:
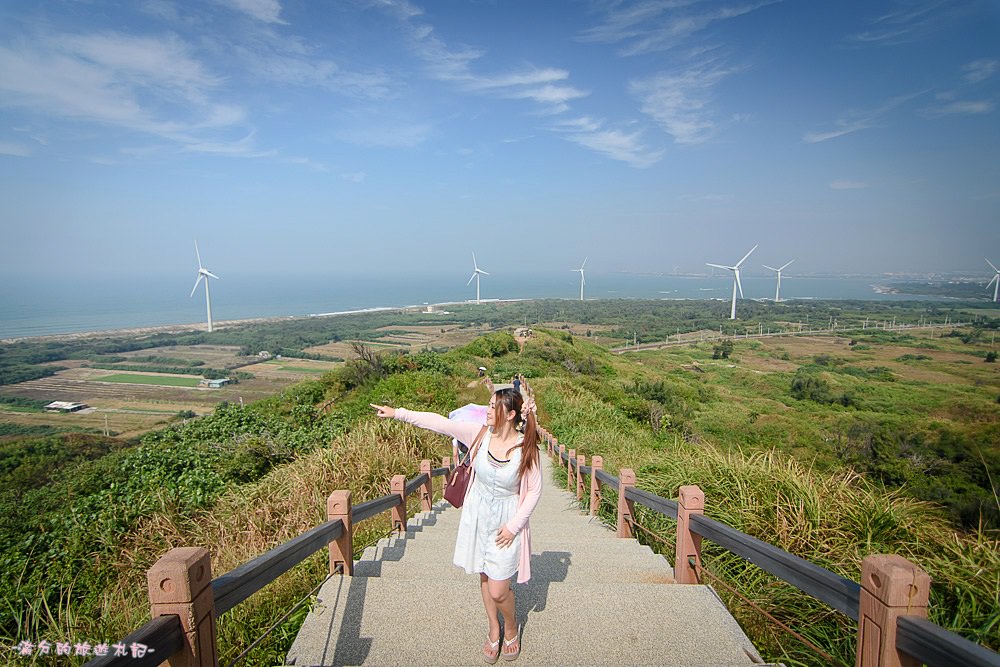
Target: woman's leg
[(503, 600), (491, 607)]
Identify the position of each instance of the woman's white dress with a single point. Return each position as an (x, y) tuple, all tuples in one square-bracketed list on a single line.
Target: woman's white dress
[(489, 504)]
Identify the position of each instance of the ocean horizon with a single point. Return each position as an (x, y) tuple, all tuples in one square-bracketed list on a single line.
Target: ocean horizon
[(48, 306)]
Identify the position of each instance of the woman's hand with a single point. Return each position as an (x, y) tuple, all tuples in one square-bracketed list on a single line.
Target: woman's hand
[(505, 538), (384, 411)]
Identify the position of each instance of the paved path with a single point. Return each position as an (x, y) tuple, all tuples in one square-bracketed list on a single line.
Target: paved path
[(593, 599)]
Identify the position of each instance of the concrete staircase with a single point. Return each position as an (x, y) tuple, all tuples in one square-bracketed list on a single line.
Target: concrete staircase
[(593, 599)]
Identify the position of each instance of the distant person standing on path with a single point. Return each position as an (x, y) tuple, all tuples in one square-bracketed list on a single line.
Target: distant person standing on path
[(517, 383), (494, 539)]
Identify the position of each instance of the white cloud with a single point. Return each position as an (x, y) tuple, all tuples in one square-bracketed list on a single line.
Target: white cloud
[(267, 11), (979, 70), (617, 144), (848, 185), (681, 103), (913, 20), (15, 150), (658, 25), (859, 119), (960, 108)]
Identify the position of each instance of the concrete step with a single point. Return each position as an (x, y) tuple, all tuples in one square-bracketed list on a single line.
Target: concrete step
[(547, 566), (387, 622)]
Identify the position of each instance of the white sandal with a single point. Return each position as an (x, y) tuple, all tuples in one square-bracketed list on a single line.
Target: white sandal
[(507, 643), (491, 651)]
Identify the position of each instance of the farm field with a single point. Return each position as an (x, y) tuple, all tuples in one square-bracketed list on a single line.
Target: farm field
[(290, 369), (406, 337), (161, 380)]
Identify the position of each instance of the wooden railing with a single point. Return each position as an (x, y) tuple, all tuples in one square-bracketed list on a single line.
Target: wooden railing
[(186, 602), (890, 605)]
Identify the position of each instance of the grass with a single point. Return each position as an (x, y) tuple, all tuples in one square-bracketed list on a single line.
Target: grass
[(159, 380)]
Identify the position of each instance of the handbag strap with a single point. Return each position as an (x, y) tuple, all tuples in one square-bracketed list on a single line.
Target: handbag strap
[(474, 449)]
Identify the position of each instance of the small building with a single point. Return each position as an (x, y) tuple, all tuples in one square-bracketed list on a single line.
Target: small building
[(264, 354), (65, 406), (523, 332), (214, 384)]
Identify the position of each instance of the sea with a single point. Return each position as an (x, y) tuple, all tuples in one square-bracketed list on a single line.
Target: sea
[(43, 306)]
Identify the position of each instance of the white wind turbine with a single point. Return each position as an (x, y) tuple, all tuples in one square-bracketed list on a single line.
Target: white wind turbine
[(475, 276), (996, 279), (204, 274), (736, 279), (583, 281), (777, 291)]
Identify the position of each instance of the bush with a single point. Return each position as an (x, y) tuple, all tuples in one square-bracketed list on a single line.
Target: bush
[(722, 350)]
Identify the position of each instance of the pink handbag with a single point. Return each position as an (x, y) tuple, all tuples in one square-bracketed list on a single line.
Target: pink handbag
[(458, 483)]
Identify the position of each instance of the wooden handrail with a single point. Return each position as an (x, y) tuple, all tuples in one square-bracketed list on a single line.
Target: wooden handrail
[(237, 585), (931, 644), (162, 636)]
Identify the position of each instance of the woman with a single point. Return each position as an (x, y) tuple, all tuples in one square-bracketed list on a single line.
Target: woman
[(493, 535)]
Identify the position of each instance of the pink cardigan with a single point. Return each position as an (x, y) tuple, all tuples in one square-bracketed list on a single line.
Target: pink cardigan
[(528, 494)]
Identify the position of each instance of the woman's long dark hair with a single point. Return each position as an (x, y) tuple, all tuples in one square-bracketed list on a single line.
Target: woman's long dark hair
[(509, 400)]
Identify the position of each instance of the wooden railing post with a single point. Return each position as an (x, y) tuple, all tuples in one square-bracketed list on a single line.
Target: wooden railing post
[(570, 478), (398, 487), (581, 461), (555, 446), (427, 489), (338, 506), (596, 463), (891, 586), (690, 500), (180, 583), (626, 479)]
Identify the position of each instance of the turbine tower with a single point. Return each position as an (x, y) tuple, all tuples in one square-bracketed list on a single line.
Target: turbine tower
[(204, 274), (736, 279), (777, 291), (475, 276), (583, 281), (996, 280)]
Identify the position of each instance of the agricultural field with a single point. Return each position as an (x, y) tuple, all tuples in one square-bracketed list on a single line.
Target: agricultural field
[(405, 337), (290, 369)]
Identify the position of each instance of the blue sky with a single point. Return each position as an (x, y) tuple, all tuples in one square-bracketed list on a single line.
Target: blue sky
[(360, 136)]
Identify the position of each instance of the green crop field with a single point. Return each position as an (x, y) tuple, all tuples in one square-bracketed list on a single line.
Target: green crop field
[(161, 380)]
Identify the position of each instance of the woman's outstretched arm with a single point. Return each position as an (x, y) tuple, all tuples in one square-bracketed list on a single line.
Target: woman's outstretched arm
[(464, 431)]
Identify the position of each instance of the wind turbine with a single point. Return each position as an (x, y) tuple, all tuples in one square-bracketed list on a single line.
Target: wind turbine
[(204, 274), (996, 279), (475, 275), (777, 290), (736, 279), (583, 281)]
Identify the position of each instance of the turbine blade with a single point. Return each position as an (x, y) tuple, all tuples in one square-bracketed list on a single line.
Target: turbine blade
[(474, 261), (745, 256), (471, 279), (197, 254), (991, 265), (771, 267), (196, 282), (210, 274), (584, 262), (995, 278), (736, 272), (483, 272), (720, 266), (786, 265)]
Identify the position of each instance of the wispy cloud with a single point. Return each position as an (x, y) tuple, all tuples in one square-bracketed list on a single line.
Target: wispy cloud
[(848, 185), (145, 84), (658, 25), (266, 11), (545, 86), (386, 135), (617, 144), (965, 108), (860, 119), (15, 150), (681, 102), (980, 70), (909, 21)]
